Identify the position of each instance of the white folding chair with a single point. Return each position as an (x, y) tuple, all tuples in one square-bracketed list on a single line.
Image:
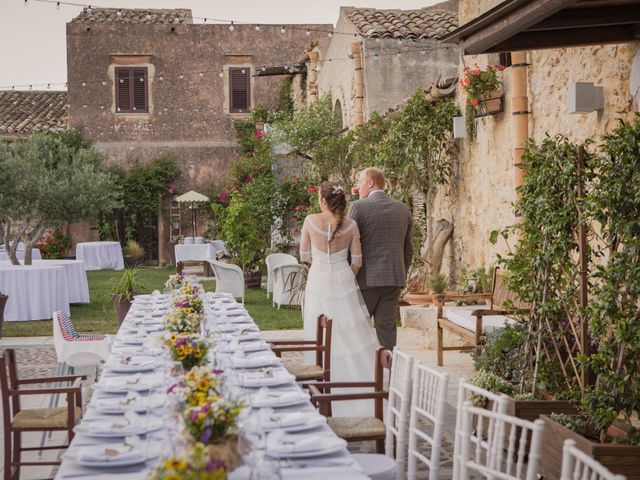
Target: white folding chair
[(274, 260), (428, 403), (498, 445), (384, 467), (498, 403), (229, 278), (577, 465)]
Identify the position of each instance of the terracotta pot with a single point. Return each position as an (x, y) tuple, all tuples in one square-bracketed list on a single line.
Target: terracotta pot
[(3, 302), (122, 304), (419, 298)]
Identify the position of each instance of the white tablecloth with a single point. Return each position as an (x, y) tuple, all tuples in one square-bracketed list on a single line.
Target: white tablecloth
[(75, 274), (70, 469), (100, 255), (203, 252), (35, 291), (35, 254)]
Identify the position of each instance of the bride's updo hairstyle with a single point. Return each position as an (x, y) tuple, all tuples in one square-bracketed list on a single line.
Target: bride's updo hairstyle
[(336, 200)]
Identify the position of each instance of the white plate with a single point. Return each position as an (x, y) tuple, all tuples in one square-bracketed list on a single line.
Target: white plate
[(141, 386), (277, 379), (261, 403), (123, 462), (145, 367), (337, 444), (145, 427), (314, 422), (117, 405)]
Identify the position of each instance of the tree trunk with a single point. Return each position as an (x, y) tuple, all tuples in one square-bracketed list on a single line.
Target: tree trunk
[(11, 247), (30, 240)]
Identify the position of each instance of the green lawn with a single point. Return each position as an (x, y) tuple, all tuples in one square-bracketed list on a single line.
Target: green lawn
[(99, 315)]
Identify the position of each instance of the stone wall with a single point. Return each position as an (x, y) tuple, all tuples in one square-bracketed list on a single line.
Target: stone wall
[(188, 98), (479, 198)]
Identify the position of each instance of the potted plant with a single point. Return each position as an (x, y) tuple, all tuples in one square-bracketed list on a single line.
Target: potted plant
[(128, 286), (134, 254), (437, 284), (482, 88), (3, 302)]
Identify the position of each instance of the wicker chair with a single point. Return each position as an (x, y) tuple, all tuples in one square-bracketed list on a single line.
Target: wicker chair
[(274, 260), (17, 420), (287, 286), (229, 278)]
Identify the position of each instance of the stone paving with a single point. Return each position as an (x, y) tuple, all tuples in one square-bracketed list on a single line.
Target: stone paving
[(36, 357)]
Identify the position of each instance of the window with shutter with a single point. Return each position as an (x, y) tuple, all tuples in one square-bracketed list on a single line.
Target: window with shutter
[(132, 92), (240, 90)]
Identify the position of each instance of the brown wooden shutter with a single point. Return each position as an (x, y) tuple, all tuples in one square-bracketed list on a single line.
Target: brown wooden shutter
[(123, 90), (140, 103), (132, 91), (240, 90)]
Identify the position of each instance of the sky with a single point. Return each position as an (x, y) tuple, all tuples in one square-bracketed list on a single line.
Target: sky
[(32, 37)]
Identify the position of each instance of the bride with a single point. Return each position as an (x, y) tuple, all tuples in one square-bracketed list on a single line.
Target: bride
[(327, 239)]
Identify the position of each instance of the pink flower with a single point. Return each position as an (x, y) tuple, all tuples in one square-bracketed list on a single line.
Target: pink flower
[(170, 189), (295, 229), (474, 101), (297, 209)]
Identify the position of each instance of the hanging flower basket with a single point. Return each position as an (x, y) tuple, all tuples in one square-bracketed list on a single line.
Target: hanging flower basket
[(483, 90), (490, 104)]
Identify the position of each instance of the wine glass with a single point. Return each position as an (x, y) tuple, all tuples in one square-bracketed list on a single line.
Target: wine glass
[(251, 444)]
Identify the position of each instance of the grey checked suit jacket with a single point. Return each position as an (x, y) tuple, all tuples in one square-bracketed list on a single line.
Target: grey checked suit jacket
[(385, 234)]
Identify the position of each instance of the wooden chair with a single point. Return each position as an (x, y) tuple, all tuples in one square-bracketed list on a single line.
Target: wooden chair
[(505, 456), (470, 322), (357, 429), (577, 464), (321, 370), (428, 403), (17, 420)]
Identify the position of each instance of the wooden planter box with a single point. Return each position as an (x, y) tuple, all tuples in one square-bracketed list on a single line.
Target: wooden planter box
[(532, 409), (620, 459)]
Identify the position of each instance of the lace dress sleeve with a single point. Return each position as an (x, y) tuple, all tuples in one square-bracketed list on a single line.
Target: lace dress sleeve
[(356, 250), (305, 243)]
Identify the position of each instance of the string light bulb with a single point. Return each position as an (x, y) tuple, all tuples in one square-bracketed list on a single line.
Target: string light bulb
[(89, 10), (257, 28), (181, 76), (307, 33), (231, 27), (330, 34), (58, 5), (221, 74), (119, 12), (283, 30)]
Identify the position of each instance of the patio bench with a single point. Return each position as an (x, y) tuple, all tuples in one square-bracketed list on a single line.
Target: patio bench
[(470, 322)]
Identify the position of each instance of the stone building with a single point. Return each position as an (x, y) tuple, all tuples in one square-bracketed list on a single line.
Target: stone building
[(479, 199), (379, 58), (144, 81)]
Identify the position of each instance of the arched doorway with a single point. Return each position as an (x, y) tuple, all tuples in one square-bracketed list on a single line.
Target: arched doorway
[(337, 113)]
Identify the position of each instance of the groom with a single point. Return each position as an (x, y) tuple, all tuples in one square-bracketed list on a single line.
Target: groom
[(385, 234)]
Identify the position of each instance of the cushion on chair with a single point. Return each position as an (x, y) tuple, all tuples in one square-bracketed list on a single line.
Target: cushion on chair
[(43, 418), (305, 372), (357, 427), (376, 466), (462, 316)]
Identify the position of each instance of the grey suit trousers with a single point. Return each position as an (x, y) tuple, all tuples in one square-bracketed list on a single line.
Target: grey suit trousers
[(382, 303)]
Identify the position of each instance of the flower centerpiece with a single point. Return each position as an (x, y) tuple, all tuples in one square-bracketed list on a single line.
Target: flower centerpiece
[(209, 423), (201, 385), (175, 281), (188, 348), (197, 464), (477, 84), (183, 320), (188, 303)]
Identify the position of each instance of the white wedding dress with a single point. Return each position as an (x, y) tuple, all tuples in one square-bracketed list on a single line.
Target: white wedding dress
[(332, 290)]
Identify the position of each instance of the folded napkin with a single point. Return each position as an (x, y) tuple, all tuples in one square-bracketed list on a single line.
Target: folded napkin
[(261, 360), (106, 453), (322, 473), (254, 346), (271, 421), (121, 426), (267, 398), (280, 444), (269, 377), (245, 335)]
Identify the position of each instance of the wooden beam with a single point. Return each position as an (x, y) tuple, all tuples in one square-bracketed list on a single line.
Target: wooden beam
[(559, 38), (589, 17), (502, 29)]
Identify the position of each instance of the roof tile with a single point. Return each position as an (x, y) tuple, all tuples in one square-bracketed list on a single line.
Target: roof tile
[(133, 16), (426, 23), (29, 112)]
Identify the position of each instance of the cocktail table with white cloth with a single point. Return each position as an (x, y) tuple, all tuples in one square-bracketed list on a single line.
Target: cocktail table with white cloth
[(34, 291), (100, 255), (75, 273), (35, 254), (195, 252), (274, 403)]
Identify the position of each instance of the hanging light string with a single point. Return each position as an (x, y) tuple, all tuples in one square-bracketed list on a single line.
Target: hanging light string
[(291, 67)]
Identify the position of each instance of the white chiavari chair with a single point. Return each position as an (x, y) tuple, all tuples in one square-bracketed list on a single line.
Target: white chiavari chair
[(508, 455), (577, 465), (426, 421), (467, 392)]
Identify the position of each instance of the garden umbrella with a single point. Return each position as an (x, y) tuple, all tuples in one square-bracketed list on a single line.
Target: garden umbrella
[(192, 198)]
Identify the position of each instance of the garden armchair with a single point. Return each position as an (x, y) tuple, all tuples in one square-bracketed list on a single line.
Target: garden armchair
[(229, 278), (274, 260)]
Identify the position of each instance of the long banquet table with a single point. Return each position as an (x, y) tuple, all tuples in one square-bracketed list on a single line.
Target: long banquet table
[(229, 326)]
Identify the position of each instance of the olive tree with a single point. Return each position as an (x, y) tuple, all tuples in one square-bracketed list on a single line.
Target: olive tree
[(46, 181)]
